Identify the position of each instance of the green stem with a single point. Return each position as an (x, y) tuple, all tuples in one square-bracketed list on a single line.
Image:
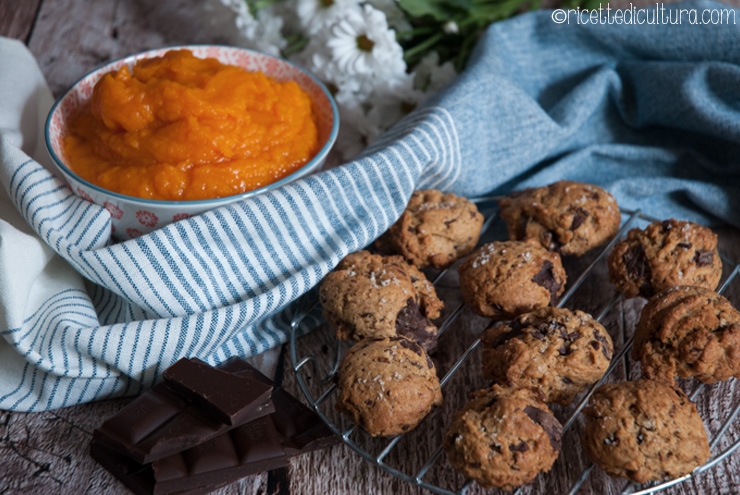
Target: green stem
[(413, 52), (256, 5), (465, 50), (414, 32), (295, 46), (489, 11)]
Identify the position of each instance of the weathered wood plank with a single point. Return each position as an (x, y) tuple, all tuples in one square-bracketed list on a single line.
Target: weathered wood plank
[(17, 18), (72, 37)]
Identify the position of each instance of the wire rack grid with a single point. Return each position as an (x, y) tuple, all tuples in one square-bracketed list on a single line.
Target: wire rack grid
[(318, 386)]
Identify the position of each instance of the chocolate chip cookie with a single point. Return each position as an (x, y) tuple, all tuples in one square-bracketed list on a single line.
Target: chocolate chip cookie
[(505, 278), (557, 351), (503, 437), (663, 255), (644, 430), (568, 217), (369, 295), (435, 230), (387, 385), (688, 331)]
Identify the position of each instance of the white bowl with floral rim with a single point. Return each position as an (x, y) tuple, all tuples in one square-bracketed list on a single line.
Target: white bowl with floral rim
[(132, 216)]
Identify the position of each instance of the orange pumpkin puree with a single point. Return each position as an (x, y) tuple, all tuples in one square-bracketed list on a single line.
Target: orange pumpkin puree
[(185, 128)]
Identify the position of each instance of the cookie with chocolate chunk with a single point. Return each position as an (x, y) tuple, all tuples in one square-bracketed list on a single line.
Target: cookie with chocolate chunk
[(369, 295), (688, 331), (663, 255), (568, 217), (644, 430), (505, 278), (387, 385), (435, 230), (503, 437), (557, 351)]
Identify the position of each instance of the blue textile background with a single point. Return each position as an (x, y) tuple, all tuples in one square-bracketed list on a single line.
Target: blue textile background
[(651, 112)]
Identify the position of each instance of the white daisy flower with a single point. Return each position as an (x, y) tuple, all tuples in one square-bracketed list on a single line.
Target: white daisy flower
[(265, 34), (352, 47), (451, 27), (317, 15), (389, 103), (361, 43), (227, 18), (232, 20), (395, 16), (318, 58), (239, 7), (430, 76), (351, 139)]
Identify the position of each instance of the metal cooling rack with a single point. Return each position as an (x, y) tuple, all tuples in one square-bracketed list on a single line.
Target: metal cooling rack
[(318, 384)]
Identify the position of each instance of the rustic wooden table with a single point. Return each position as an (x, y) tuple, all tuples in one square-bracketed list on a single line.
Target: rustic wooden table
[(48, 452)]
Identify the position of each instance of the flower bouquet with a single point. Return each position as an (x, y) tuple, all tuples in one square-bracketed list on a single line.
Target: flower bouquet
[(380, 58)]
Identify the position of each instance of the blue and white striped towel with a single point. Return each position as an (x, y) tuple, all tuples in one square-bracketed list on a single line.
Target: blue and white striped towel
[(650, 112)]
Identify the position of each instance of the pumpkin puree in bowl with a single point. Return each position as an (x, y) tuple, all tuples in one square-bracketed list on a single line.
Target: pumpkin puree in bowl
[(184, 128)]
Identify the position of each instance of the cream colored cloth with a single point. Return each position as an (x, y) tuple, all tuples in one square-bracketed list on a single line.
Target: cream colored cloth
[(31, 273)]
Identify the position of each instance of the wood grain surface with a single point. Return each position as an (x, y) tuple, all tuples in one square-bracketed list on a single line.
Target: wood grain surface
[(47, 453), (17, 18)]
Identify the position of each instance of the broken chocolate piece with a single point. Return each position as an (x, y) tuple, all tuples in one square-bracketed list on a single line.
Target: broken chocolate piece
[(160, 422), (638, 269), (521, 447), (263, 444), (412, 324), (703, 258), (521, 231), (605, 348), (546, 278), (548, 422), (516, 330), (412, 346), (551, 241), (226, 396), (579, 216), (635, 262)]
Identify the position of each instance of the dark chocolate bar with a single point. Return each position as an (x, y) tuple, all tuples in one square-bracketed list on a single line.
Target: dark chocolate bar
[(224, 395), (263, 444), (160, 422)]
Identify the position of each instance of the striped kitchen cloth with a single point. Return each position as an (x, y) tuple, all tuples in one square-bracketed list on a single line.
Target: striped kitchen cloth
[(652, 113)]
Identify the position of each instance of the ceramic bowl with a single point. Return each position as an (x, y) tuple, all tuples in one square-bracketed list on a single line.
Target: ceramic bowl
[(132, 216)]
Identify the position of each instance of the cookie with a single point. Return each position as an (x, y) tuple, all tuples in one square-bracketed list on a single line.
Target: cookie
[(387, 385), (435, 230), (369, 295), (644, 430), (688, 331), (663, 255), (505, 278), (503, 437), (568, 217), (557, 351)]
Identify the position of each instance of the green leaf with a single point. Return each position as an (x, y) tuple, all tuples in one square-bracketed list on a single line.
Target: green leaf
[(487, 12), (439, 10), (592, 4)]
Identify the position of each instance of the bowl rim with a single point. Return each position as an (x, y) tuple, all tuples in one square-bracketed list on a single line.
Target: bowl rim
[(304, 170)]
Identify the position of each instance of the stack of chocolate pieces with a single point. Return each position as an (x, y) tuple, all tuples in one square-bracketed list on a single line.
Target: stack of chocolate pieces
[(203, 428)]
